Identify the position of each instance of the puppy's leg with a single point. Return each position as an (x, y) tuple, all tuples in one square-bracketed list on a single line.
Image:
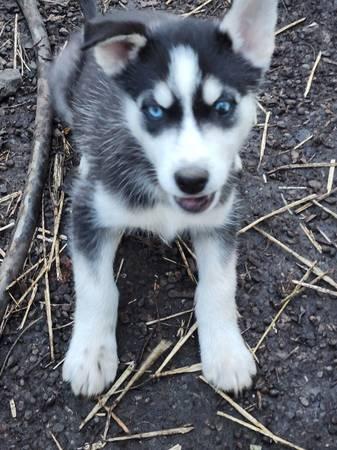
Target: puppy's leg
[(91, 361), (226, 361)]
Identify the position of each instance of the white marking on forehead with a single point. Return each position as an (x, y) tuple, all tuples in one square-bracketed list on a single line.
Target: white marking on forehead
[(163, 95), (184, 73), (211, 90)]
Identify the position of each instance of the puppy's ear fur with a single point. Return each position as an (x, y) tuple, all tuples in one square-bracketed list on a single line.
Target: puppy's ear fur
[(250, 25), (115, 43)]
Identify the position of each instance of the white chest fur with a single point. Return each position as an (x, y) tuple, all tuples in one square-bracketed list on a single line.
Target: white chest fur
[(164, 219)]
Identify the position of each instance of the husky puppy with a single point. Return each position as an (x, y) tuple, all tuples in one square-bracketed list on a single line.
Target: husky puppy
[(160, 106)]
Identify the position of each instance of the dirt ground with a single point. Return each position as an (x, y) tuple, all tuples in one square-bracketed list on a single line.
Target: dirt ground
[(295, 391)]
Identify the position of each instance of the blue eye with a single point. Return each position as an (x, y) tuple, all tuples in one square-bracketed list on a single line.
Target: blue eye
[(154, 112), (223, 107)]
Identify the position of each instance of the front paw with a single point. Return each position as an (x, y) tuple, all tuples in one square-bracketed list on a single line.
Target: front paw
[(226, 361), (91, 363)]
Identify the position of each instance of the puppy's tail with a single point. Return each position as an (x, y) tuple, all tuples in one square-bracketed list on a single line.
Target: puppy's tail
[(89, 9)]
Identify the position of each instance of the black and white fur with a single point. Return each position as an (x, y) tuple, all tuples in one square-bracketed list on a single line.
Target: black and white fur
[(160, 107)]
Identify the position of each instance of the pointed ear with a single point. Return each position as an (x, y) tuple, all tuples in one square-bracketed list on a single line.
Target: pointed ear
[(115, 43), (250, 25)]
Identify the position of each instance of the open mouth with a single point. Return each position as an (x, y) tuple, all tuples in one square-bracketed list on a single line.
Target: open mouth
[(195, 204)]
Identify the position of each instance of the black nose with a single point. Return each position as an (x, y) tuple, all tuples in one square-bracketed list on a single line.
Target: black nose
[(191, 180)]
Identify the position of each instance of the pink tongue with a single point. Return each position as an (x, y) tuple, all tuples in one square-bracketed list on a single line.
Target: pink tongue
[(193, 203)]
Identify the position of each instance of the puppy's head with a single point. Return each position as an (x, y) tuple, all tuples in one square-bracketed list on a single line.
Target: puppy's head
[(189, 92)]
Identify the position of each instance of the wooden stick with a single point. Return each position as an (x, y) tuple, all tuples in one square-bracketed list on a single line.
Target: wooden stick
[(30, 205)]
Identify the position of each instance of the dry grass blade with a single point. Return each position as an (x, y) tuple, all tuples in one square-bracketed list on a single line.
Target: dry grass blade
[(253, 424), (46, 290), (12, 407), (267, 433), (172, 316), (10, 197), (176, 447), (327, 210), (310, 235), (319, 198), (264, 137), (284, 303), (15, 41), (151, 359), (103, 400), (37, 279), (277, 211), (331, 175), (186, 264), (330, 165), (187, 369), (25, 273), (236, 406), (303, 142), (305, 261), (188, 248), (119, 421), (289, 26), (111, 415), (152, 434), (312, 74), (197, 9), (316, 288), (30, 302), (15, 342), (8, 226), (176, 348), (58, 445)]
